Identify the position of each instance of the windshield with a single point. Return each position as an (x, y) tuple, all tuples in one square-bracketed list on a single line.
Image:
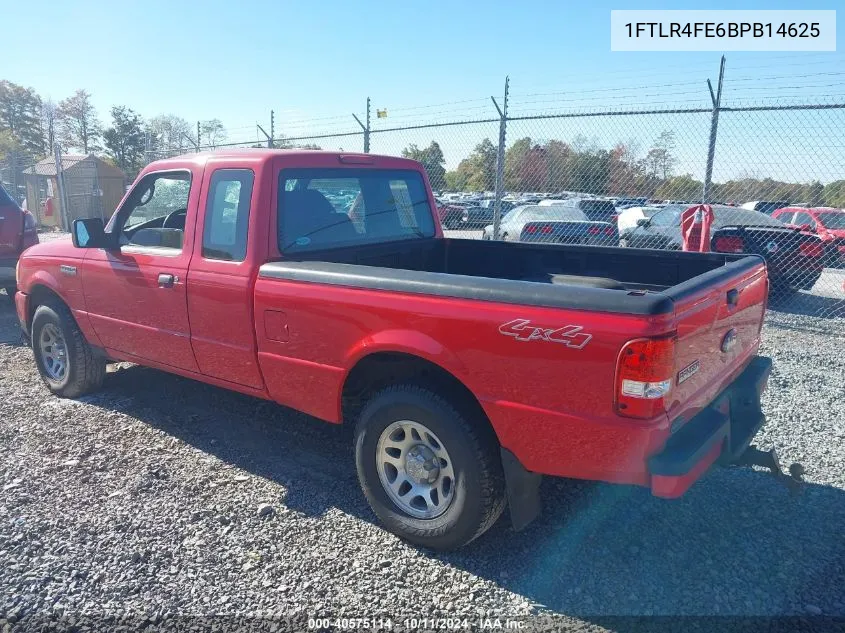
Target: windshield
[(5, 198), (832, 219)]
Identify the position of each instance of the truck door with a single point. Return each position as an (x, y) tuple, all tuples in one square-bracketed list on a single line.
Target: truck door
[(220, 288), (136, 295)]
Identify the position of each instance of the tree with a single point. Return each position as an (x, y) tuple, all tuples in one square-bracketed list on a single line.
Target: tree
[(49, 116), (680, 188), (813, 194), (80, 127), (514, 158), (660, 159), (432, 160), (834, 194), (558, 166), (20, 116), (124, 140), (170, 134), (212, 133)]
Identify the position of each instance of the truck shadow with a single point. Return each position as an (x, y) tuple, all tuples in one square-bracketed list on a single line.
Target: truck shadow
[(736, 543)]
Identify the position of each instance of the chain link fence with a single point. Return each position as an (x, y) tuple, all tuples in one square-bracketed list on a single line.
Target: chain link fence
[(625, 177)]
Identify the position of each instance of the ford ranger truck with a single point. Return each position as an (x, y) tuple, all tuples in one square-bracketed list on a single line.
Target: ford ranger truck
[(322, 281)]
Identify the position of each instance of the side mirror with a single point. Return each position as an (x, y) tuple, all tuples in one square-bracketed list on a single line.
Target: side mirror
[(89, 233), (643, 221), (807, 228)]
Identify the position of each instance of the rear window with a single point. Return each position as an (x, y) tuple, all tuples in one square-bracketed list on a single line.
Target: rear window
[(598, 210), (6, 199), (324, 208)]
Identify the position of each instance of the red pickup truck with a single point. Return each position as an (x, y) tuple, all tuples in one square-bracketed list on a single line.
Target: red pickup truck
[(322, 281)]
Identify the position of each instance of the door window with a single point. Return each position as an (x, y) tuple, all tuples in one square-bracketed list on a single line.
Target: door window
[(154, 214), (227, 215)]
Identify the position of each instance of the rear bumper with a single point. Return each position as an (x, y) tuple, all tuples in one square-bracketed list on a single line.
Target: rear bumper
[(719, 433)]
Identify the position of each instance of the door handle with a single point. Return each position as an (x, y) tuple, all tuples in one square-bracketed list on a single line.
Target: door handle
[(166, 280)]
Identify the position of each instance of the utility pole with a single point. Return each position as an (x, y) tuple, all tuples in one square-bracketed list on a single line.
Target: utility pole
[(714, 127), (269, 136), (272, 129), (366, 128), (60, 182), (199, 139), (500, 160)]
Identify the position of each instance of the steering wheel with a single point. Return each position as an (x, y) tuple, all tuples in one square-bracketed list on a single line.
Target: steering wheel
[(166, 223)]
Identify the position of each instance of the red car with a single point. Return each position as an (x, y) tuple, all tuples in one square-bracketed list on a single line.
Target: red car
[(18, 231), (826, 222), (469, 368)]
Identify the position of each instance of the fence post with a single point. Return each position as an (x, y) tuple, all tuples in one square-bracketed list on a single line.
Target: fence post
[(366, 128), (60, 182), (500, 161), (714, 126), (198, 137)]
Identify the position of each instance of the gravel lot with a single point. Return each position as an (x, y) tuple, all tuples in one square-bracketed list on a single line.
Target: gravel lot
[(145, 500)]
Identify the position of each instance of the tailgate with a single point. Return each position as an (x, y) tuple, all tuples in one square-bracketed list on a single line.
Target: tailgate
[(718, 316)]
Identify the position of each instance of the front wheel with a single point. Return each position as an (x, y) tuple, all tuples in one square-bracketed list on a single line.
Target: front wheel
[(430, 471), (67, 364)]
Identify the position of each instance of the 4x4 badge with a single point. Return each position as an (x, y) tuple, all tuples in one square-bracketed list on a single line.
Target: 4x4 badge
[(569, 335)]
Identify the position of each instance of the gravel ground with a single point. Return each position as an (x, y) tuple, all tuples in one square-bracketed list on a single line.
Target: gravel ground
[(161, 495)]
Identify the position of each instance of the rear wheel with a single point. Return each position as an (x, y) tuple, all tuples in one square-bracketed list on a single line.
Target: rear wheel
[(430, 471), (67, 364)]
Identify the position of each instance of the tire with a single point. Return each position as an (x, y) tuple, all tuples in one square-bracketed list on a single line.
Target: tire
[(84, 370), (623, 243), (477, 488)]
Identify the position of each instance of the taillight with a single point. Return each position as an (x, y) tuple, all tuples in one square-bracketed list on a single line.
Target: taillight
[(593, 230), (530, 228), (811, 249), (609, 230), (546, 229), (644, 377), (729, 244)]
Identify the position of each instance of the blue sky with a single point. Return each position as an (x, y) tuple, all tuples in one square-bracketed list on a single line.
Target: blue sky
[(315, 63)]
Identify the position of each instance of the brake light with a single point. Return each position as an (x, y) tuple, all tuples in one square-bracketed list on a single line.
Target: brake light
[(608, 230), (530, 228), (811, 249), (644, 377), (729, 244), (546, 229), (593, 230)]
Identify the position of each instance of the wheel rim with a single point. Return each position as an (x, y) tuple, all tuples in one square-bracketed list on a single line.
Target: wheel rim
[(415, 469), (53, 350)]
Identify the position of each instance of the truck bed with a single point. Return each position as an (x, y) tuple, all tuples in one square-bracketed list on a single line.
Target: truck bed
[(624, 280)]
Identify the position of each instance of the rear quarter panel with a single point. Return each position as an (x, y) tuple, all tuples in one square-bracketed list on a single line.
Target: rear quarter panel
[(551, 404)]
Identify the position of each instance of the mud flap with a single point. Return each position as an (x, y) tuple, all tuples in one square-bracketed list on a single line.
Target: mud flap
[(523, 491)]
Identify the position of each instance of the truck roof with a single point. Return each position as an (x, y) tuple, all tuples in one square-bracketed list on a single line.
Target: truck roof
[(261, 155)]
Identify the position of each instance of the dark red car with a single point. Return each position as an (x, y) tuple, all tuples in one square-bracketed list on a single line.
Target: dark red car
[(18, 231), (826, 222)]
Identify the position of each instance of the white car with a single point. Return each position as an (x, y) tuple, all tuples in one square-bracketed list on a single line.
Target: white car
[(628, 218)]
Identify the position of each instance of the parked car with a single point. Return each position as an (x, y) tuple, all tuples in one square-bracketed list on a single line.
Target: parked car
[(625, 203), (554, 224), (18, 231), (826, 222), (764, 206), (629, 217), (594, 209), (794, 259), (450, 214), (470, 368)]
